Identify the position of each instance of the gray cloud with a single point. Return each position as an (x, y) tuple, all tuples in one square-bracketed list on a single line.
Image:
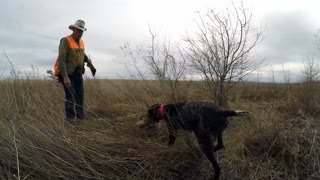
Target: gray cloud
[(289, 37), (30, 32)]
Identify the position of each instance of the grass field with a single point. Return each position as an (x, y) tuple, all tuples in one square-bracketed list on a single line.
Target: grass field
[(279, 140)]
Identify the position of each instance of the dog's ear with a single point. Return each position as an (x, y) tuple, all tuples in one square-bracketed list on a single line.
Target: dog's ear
[(153, 113)]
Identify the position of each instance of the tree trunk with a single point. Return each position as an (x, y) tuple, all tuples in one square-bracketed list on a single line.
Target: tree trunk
[(220, 95)]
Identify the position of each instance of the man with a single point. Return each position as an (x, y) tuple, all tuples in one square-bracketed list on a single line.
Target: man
[(71, 66)]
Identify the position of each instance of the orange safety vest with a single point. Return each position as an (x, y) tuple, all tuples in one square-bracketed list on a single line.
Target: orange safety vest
[(72, 45)]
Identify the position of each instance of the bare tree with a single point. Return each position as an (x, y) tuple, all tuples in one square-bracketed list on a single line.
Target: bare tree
[(310, 71), (220, 51), (158, 59), (167, 65)]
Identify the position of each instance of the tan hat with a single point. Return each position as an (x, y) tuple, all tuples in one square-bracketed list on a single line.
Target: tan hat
[(79, 24)]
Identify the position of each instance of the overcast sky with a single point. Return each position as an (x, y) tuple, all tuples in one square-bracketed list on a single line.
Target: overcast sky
[(30, 30)]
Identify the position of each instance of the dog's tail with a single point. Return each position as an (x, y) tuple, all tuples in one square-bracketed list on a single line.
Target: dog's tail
[(233, 113)]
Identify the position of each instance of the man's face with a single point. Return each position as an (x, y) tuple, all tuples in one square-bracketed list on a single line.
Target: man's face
[(78, 33)]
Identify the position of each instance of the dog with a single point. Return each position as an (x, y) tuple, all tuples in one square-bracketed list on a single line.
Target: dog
[(206, 120)]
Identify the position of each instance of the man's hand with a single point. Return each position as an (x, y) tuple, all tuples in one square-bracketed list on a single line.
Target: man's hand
[(66, 81)]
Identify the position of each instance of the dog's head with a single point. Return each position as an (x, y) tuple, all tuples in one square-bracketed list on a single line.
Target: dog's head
[(150, 118), (143, 123)]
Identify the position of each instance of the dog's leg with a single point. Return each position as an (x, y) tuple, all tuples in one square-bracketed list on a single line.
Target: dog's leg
[(220, 142), (172, 135), (172, 139), (207, 148)]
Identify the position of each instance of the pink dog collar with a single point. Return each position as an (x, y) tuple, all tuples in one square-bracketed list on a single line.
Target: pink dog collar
[(161, 110), (161, 114)]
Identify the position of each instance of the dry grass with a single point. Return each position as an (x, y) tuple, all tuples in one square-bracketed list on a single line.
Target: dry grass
[(280, 139)]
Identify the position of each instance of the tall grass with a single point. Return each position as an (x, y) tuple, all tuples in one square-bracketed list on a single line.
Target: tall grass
[(279, 140)]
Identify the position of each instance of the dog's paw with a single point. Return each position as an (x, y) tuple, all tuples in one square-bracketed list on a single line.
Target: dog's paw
[(218, 147), (242, 113), (170, 145)]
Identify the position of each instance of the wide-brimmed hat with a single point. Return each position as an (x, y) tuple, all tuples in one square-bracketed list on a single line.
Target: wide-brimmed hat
[(79, 24)]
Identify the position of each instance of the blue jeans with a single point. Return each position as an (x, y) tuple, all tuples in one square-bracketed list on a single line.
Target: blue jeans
[(74, 97)]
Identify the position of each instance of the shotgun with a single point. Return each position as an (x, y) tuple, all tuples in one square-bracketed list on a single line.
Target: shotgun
[(92, 68)]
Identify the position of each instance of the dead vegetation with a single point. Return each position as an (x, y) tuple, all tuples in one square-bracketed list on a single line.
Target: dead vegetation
[(280, 139)]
